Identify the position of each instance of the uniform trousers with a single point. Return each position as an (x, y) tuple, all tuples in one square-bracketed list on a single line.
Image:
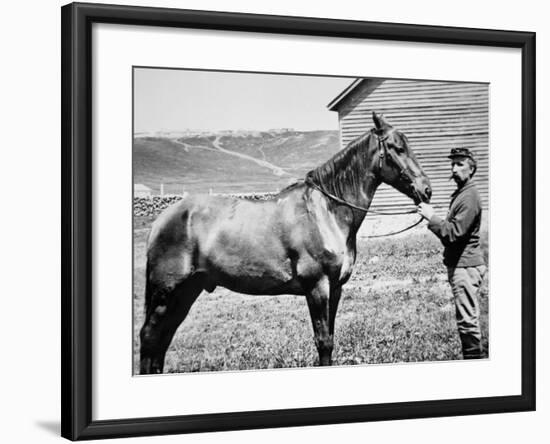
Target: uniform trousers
[(465, 284)]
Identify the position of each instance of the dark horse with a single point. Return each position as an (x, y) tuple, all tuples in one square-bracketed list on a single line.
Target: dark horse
[(301, 241)]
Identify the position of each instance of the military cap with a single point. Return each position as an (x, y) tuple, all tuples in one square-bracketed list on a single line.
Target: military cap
[(461, 152)]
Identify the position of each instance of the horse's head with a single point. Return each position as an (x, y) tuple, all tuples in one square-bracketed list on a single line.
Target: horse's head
[(396, 163)]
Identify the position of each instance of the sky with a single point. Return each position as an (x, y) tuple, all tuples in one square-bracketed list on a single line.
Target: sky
[(176, 100)]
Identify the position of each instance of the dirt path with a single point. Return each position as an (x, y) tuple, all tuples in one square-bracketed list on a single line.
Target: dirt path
[(186, 146), (278, 171)]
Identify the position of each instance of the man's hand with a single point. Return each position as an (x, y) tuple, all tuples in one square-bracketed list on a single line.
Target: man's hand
[(425, 210)]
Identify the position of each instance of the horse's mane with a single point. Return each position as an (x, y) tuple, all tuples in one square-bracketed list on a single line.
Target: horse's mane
[(347, 168)]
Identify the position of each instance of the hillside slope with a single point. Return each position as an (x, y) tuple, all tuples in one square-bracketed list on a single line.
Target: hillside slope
[(230, 162)]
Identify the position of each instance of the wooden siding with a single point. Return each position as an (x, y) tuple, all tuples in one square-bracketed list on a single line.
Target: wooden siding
[(435, 116)]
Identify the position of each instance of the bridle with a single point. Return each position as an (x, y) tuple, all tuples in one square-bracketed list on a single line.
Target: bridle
[(404, 173)]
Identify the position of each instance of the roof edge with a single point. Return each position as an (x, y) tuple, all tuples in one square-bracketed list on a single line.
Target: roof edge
[(340, 97)]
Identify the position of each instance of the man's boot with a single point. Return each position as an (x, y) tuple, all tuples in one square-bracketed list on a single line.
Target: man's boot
[(471, 347)]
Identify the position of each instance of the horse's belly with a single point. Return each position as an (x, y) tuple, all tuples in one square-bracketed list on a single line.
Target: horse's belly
[(253, 276), (263, 286)]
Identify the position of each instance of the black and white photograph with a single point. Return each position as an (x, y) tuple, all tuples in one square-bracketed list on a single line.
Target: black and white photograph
[(286, 220), (275, 222)]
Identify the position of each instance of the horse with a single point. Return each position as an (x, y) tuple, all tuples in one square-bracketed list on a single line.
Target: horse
[(302, 241)]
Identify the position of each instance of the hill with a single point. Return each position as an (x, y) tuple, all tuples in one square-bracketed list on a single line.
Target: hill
[(240, 161)]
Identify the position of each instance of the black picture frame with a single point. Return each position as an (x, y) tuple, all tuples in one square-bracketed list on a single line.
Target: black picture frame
[(76, 130)]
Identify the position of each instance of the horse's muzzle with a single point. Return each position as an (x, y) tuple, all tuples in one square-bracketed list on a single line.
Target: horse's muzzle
[(422, 195)]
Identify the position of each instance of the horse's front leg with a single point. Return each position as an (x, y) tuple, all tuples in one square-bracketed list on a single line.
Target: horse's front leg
[(318, 303), (335, 293)]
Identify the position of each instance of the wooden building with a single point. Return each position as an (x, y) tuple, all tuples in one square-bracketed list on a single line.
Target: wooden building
[(435, 116)]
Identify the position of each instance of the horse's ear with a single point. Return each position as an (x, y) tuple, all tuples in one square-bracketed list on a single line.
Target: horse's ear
[(380, 121)]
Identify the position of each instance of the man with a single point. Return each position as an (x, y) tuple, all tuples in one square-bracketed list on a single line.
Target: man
[(459, 234)]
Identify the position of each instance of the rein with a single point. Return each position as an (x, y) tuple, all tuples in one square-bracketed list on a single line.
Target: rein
[(383, 150), (349, 204), (395, 232)]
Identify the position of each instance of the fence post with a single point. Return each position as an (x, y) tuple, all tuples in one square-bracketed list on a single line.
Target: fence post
[(162, 189)]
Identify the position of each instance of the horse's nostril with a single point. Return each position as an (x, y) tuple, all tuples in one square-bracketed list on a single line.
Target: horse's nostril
[(428, 192)]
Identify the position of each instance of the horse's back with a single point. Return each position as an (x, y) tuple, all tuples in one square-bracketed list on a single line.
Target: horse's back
[(215, 228)]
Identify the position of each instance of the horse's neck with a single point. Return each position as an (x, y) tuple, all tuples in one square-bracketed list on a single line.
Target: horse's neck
[(354, 183), (364, 194), (353, 179), (360, 197), (363, 198)]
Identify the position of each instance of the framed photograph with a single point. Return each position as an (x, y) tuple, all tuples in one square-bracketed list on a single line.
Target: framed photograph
[(278, 221)]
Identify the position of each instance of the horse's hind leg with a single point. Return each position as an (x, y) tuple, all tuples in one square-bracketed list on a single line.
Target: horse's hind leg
[(318, 304), (166, 310)]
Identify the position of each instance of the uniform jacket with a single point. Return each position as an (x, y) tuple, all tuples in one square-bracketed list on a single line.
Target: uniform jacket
[(459, 232)]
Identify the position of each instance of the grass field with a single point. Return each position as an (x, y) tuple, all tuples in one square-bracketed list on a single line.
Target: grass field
[(397, 307)]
